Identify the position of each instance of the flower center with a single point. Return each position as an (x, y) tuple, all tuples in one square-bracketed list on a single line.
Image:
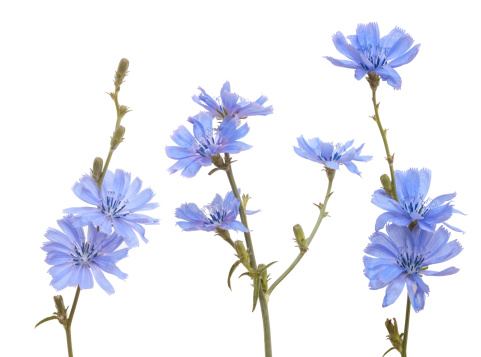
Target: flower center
[(214, 215), (114, 205), (377, 56), (84, 255), (336, 153), (416, 204), (411, 263)]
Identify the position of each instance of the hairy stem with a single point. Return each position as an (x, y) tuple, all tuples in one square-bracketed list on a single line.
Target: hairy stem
[(309, 240), (250, 247)]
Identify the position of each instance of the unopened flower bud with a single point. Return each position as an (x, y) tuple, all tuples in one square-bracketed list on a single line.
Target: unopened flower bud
[(121, 72), (300, 238), (123, 110), (61, 311), (97, 168), (242, 254), (386, 184), (117, 138), (393, 336), (263, 277)]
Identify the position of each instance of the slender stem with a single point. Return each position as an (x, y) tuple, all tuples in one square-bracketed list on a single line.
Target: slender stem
[(389, 158), (406, 328), (68, 326), (309, 240), (250, 247), (69, 341)]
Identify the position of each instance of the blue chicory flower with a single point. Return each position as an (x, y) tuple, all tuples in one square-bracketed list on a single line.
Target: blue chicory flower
[(402, 257), (329, 154), (370, 53), (115, 206), (231, 104), (221, 213), (412, 188), (75, 258), (195, 151)]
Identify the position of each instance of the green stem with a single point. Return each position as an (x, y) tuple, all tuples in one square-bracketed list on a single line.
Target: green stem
[(250, 247), (68, 326), (111, 151), (406, 328), (308, 241), (389, 158)]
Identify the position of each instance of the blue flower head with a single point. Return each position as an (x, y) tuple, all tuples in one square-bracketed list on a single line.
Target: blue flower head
[(329, 154), (367, 52), (75, 258), (115, 206), (195, 151), (401, 258), (221, 213), (230, 104), (412, 188)]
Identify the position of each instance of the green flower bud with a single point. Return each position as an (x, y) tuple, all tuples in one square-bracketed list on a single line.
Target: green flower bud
[(121, 72), (61, 310), (386, 184), (300, 238), (393, 336), (242, 254), (117, 138), (264, 277), (97, 168)]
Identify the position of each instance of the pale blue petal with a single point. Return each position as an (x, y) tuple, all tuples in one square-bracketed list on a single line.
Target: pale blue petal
[(394, 290)]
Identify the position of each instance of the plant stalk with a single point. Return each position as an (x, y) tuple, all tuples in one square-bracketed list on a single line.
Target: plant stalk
[(390, 159), (308, 241), (250, 247)]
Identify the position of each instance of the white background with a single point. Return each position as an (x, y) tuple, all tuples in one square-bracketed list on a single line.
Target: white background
[(57, 61)]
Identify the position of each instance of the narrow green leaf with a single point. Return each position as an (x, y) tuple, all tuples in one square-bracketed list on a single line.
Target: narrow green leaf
[(46, 319), (268, 265), (246, 273), (231, 271), (257, 286), (389, 350)]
